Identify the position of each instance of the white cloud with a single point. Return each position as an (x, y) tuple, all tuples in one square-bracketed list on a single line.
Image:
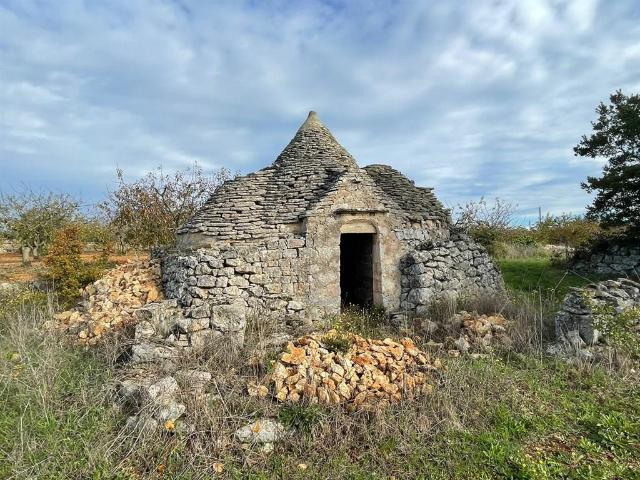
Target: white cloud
[(473, 98)]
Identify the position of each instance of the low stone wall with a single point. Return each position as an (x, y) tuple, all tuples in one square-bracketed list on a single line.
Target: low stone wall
[(617, 259), (164, 334), (574, 320), (457, 266)]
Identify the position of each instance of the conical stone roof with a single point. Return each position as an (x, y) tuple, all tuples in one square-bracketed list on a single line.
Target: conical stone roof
[(255, 205)]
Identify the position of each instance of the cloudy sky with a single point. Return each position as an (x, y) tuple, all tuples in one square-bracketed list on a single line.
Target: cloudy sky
[(473, 98)]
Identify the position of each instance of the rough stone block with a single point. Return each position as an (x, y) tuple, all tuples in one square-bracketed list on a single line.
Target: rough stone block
[(239, 282), (206, 281), (228, 318)]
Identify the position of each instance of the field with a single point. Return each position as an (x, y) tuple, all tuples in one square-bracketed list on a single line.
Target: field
[(512, 414), (12, 270)]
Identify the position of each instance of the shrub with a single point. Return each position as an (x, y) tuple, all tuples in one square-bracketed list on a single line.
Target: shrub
[(504, 250), (65, 267), (485, 236), (567, 230), (147, 212), (617, 328)]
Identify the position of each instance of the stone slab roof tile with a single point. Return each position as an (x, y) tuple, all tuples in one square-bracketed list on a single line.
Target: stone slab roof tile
[(308, 168), (419, 203)]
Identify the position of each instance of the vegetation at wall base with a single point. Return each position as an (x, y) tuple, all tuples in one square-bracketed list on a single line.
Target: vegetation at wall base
[(66, 271)]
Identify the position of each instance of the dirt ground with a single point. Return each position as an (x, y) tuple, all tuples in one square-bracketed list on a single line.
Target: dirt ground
[(12, 270)]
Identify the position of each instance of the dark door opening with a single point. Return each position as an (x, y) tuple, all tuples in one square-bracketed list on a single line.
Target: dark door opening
[(356, 269)]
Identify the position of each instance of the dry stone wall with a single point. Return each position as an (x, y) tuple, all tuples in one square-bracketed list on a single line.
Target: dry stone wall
[(616, 260), (451, 267), (574, 320), (291, 277), (265, 277)]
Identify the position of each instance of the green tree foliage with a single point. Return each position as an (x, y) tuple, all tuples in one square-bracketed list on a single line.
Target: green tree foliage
[(33, 219), (616, 138), (147, 212), (568, 230)]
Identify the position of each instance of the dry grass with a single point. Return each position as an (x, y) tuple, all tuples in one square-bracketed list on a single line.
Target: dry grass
[(482, 421)]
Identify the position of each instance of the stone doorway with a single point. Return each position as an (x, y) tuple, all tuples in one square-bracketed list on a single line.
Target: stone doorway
[(357, 269)]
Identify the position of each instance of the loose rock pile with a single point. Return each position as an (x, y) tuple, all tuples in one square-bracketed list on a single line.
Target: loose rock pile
[(462, 333), (480, 332), (109, 303), (368, 374)]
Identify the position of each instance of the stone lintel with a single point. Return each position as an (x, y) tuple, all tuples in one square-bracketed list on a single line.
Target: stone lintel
[(359, 211)]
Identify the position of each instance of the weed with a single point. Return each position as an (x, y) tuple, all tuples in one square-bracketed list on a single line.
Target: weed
[(337, 342), (301, 417), (616, 327)]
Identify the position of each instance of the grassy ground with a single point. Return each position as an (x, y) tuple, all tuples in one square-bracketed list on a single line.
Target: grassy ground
[(534, 274), (513, 414)]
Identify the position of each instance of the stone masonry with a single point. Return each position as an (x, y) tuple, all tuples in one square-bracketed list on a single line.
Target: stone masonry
[(616, 260), (434, 270), (269, 243), (574, 320)]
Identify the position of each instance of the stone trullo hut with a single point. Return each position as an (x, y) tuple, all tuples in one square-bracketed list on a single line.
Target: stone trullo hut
[(313, 232)]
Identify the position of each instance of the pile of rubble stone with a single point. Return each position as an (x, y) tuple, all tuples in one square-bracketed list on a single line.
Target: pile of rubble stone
[(480, 333), (366, 374), (109, 303)]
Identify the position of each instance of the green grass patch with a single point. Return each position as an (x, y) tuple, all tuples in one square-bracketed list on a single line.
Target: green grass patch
[(527, 275)]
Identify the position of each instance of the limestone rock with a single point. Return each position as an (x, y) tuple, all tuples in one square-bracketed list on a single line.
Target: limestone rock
[(228, 318), (168, 410), (110, 303), (148, 352), (141, 424), (193, 379), (574, 320), (462, 345), (368, 375), (265, 430)]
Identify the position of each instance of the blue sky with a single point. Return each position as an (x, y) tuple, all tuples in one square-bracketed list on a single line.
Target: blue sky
[(473, 98)]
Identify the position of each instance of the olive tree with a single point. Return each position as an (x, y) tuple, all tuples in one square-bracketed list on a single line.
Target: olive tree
[(32, 219)]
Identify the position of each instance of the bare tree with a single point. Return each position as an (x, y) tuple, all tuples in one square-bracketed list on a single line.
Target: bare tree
[(32, 219), (481, 214), (147, 212)]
